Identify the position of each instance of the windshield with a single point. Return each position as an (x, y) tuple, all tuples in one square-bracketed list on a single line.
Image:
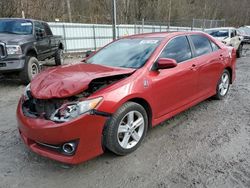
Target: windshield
[(244, 31), (128, 53), (20, 27), (218, 33)]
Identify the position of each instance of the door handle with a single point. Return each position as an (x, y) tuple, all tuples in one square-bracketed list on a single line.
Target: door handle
[(193, 67), (221, 57)]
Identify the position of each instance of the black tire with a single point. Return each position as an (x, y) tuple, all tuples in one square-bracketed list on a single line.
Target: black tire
[(111, 130), (59, 57), (239, 51), (219, 95), (31, 69)]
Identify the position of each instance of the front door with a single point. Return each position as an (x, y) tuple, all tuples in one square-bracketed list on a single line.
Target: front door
[(175, 87)]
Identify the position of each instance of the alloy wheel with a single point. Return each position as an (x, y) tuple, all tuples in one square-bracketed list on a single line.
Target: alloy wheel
[(130, 129), (224, 84)]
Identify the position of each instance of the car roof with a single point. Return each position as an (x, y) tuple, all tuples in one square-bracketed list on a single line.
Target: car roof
[(163, 34), (220, 28), (24, 19)]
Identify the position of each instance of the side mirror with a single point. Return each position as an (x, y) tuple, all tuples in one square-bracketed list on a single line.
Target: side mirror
[(88, 53), (166, 63)]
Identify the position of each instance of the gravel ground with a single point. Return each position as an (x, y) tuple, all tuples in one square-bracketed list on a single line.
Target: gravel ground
[(205, 146)]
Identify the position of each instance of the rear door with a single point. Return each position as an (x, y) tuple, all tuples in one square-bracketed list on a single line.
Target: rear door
[(209, 60), (175, 87), (52, 45)]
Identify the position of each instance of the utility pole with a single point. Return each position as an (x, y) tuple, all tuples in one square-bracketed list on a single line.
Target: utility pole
[(22, 11), (204, 14), (69, 11), (169, 13), (114, 18)]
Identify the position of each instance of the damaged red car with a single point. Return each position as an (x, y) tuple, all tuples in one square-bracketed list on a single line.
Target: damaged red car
[(74, 112)]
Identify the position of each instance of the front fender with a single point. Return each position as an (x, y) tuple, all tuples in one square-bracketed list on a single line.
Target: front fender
[(113, 100)]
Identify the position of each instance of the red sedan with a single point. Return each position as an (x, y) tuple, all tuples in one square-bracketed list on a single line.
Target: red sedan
[(73, 112)]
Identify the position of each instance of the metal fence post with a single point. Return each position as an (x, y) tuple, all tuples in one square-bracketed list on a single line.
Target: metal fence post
[(64, 38), (94, 37), (142, 25), (192, 27), (118, 32)]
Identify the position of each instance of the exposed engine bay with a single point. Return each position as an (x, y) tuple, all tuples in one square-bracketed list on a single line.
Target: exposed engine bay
[(45, 108)]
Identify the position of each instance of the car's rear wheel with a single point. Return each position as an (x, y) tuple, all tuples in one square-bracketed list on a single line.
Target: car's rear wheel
[(126, 129), (31, 69), (223, 85), (59, 57), (239, 51)]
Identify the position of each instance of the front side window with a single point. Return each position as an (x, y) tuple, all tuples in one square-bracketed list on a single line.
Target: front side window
[(16, 26), (128, 52), (178, 49), (201, 44), (39, 27), (233, 33)]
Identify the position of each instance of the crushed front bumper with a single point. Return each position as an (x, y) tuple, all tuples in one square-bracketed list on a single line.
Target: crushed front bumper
[(87, 129)]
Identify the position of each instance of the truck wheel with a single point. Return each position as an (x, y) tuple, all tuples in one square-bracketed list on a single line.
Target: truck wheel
[(239, 51), (59, 57), (31, 69)]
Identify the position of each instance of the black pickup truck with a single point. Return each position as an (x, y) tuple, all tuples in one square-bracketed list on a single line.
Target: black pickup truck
[(25, 42)]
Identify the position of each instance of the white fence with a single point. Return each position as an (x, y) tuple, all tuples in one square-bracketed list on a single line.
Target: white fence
[(83, 37)]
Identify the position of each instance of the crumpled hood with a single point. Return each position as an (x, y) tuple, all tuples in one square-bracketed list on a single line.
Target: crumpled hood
[(70, 80)]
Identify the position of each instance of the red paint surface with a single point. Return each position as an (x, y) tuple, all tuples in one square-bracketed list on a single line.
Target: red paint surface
[(69, 80), (167, 92)]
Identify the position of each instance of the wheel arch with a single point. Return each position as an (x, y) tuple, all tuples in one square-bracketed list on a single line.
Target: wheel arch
[(139, 100), (60, 46), (31, 52), (231, 73), (144, 103)]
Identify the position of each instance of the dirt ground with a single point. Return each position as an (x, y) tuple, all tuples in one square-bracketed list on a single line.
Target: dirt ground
[(205, 146)]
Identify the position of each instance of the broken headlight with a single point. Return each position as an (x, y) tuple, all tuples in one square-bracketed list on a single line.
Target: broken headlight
[(26, 93), (72, 110)]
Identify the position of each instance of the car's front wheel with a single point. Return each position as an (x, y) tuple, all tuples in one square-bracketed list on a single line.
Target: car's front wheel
[(223, 85), (126, 129)]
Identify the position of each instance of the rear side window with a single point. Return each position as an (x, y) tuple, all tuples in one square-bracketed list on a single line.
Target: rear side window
[(178, 49), (47, 29), (202, 44)]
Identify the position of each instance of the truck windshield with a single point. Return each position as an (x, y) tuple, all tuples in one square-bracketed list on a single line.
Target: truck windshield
[(20, 27), (128, 53), (218, 33)]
